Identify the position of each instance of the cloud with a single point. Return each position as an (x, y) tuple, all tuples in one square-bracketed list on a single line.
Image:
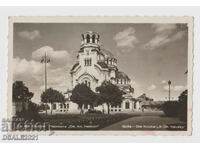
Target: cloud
[(34, 68), (178, 88), (29, 35), (31, 72), (126, 39), (166, 87), (164, 28), (23, 66), (133, 83), (163, 82), (57, 57), (152, 87), (174, 88), (58, 79), (165, 33)]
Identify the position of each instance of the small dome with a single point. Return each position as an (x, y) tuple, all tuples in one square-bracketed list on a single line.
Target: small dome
[(91, 32), (107, 53), (121, 75)]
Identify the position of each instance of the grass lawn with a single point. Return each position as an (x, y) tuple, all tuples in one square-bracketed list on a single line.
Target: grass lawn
[(82, 122)]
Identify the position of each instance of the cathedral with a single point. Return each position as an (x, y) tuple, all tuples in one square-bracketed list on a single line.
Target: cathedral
[(93, 66)]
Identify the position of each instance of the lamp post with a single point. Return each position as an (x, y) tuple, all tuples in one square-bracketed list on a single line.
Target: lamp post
[(169, 83), (45, 60)]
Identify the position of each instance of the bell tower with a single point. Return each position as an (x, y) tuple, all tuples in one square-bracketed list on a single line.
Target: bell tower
[(89, 48), (90, 39)]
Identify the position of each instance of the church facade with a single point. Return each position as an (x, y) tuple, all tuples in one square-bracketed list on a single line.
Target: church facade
[(93, 66)]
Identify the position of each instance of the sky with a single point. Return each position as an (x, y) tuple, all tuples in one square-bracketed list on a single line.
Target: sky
[(150, 54)]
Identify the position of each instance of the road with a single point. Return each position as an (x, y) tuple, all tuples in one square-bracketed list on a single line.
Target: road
[(146, 121)]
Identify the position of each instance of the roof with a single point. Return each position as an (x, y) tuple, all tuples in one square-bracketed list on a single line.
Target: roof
[(102, 64), (152, 102), (126, 88), (90, 32), (68, 91), (107, 53), (144, 97), (121, 75), (74, 66)]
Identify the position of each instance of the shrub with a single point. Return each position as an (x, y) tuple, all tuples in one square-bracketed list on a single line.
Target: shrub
[(170, 108), (90, 111), (177, 108), (183, 106), (30, 114)]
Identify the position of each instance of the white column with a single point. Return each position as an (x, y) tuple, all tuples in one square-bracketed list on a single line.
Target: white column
[(82, 42), (90, 38)]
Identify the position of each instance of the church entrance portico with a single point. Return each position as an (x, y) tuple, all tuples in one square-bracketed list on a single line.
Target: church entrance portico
[(89, 80)]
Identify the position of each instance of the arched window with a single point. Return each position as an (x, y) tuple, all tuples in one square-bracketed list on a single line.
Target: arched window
[(109, 62), (99, 57), (106, 61), (127, 105), (93, 38), (88, 38), (87, 82), (64, 105), (88, 62), (135, 105), (61, 106), (85, 106), (54, 106)]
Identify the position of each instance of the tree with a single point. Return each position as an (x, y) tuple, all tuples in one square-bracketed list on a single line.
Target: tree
[(31, 113), (183, 105), (83, 95), (170, 108), (110, 94), (43, 107), (52, 96), (177, 108), (21, 93)]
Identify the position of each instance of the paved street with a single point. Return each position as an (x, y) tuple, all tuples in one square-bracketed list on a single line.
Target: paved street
[(146, 121)]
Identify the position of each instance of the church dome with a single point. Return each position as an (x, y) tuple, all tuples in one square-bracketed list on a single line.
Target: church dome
[(91, 32), (107, 53), (122, 75)]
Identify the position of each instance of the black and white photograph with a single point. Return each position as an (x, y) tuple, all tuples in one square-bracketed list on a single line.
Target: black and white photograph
[(128, 75)]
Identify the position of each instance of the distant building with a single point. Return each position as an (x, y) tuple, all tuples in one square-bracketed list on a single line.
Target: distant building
[(148, 104), (142, 101)]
